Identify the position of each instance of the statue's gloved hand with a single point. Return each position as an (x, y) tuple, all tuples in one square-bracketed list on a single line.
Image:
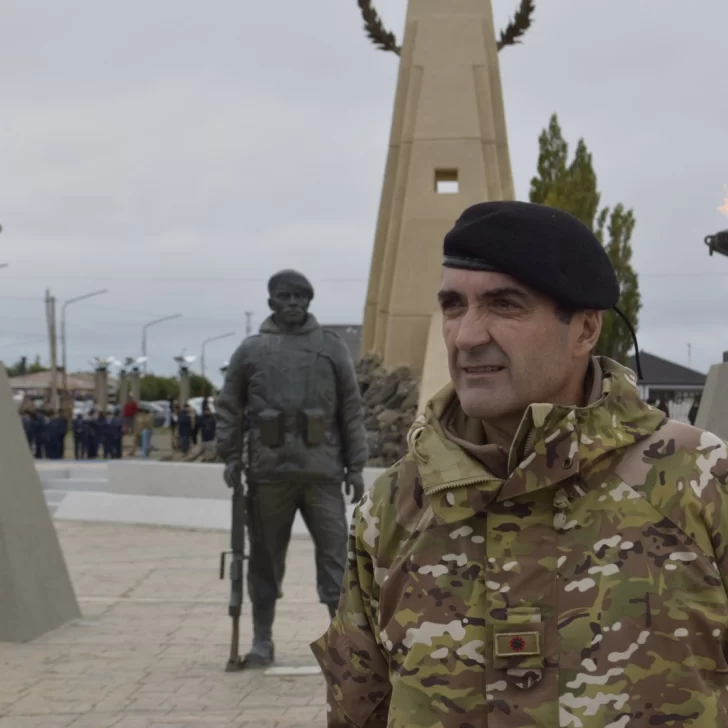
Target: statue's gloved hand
[(233, 474), (355, 486)]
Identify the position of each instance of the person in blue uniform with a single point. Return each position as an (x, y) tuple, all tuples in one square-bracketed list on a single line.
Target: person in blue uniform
[(104, 436), (116, 433), (61, 430), (93, 435), (39, 434), (28, 429), (206, 425), (53, 437), (79, 438)]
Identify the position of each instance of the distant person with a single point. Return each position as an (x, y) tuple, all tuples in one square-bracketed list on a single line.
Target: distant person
[(184, 429), (79, 438), (173, 421), (193, 424), (28, 429), (55, 436), (104, 436), (131, 408), (693, 414), (39, 424), (206, 426), (663, 406), (146, 427), (116, 434), (93, 435)]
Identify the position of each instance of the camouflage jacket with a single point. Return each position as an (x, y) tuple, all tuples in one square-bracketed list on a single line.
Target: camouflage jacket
[(585, 589)]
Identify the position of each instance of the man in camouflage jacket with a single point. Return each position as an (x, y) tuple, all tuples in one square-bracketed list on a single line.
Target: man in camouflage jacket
[(552, 551)]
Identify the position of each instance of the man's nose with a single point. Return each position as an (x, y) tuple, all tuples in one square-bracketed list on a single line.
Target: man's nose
[(473, 331)]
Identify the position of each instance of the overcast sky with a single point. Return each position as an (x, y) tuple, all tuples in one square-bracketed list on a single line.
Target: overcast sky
[(178, 152)]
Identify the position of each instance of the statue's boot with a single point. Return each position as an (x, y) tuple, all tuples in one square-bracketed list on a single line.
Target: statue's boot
[(262, 652), (332, 607)]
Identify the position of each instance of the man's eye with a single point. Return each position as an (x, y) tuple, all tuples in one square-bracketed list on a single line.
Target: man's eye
[(452, 308), (504, 305)]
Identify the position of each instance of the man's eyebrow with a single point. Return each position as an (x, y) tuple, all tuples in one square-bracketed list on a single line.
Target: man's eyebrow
[(505, 292), (448, 294)]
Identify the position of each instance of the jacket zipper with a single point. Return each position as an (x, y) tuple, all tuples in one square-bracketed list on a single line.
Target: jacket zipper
[(460, 484)]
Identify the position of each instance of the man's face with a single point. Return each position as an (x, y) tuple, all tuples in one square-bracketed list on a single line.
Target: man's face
[(290, 304), (507, 347)]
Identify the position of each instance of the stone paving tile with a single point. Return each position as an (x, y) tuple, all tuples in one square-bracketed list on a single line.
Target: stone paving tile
[(151, 647)]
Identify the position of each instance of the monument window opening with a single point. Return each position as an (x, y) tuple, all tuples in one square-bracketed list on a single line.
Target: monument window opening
[(447, 182)]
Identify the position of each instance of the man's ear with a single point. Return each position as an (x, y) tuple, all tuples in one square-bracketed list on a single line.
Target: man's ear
[(590, 329), (270, 304)]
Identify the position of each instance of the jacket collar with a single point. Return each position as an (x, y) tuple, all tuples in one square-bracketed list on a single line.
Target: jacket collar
[(269, 326), (552, 445)]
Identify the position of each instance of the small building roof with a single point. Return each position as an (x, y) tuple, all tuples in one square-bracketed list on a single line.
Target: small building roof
[(39, 381), (657, 371)]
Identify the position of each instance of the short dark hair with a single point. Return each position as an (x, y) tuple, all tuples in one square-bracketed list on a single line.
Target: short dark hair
[(565, 313), (291, 278)]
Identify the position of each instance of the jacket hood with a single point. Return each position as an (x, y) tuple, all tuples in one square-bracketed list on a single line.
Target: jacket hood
[(553, 444), (269, 326)]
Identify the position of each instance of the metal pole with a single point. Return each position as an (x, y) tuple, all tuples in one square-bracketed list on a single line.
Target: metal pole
[(248, 324), (51, 302), (63, 330), (205, 343), (150, 324)]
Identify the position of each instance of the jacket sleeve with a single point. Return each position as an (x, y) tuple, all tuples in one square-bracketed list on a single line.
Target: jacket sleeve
[(710, 484), (351, 411), (350, 654), (231, 403)]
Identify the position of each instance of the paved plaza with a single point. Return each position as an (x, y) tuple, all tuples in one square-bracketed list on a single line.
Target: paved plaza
[(151, 648)]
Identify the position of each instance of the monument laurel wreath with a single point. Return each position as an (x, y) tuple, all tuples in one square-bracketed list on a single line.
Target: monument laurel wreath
[(386, 41)]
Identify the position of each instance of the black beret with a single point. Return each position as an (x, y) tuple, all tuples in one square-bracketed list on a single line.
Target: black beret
[(291, 278), (547, 249)]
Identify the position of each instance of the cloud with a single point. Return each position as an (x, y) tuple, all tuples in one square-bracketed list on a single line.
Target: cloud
[(179, 153)]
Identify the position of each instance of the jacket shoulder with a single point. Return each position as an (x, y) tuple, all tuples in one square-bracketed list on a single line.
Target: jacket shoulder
[(683, 472), (247, 347), (334, 341), (397, 501)]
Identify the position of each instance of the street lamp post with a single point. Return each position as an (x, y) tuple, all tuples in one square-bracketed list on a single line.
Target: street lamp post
[(149, 325), (206, 342), (63, 329)]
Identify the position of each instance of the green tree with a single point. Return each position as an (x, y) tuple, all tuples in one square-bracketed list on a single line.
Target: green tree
[(21, 367), (36, 366), (155, 388), (200, 386), (572, 187)]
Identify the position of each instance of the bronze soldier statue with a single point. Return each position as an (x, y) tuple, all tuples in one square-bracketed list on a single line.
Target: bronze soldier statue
[(292, 390)]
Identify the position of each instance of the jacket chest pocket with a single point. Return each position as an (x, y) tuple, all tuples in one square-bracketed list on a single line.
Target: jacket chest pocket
[(516, 646)]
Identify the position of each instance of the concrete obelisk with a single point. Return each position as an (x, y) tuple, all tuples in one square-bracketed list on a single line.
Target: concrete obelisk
[(448, 149), (713, 412), (36, 594)]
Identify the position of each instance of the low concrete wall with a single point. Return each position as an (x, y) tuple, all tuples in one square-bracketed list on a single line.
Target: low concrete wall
[(179, 480), (205, 513)]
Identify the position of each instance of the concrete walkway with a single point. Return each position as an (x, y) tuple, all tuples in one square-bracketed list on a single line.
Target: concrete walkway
[(151, 649)]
